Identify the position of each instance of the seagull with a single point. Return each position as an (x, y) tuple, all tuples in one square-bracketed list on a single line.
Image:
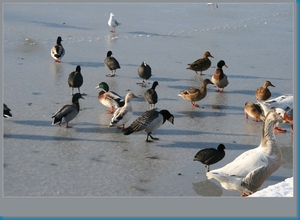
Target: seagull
[(112, 23)]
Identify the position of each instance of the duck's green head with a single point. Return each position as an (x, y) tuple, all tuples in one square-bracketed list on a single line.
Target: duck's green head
[(221, 63), (103, 85)]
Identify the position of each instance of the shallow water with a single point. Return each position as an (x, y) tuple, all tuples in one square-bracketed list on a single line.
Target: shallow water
[(91, 159)]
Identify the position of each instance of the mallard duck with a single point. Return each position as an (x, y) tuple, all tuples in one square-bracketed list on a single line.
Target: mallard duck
[(194, 94), (201, 64), (58, 51), (248, 171), (209, 156), (144, 71), (111, 63), (284, 102), (123, 114), (108, 98), (112, 22), (75, 79), (151, 95), (219, 78), (149, 121), (68, 112), (254, 110), (6, 111), (263, 93)]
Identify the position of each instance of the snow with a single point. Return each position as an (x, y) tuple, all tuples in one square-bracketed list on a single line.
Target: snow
[(282, 189)]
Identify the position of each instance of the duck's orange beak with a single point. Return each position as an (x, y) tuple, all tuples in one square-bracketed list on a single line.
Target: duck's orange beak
[(287, 118)]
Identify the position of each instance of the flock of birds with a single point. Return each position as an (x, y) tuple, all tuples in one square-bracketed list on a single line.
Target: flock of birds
[(244, 174)]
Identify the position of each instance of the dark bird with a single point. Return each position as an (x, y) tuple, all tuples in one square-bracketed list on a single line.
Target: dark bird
[(263, 93), (57, 51), (111, 63), (210, 156), (75, 79), (144, 71), (68, 112), (151, 95), (219, 78), (6, 111), (201, 64), (149, 121)]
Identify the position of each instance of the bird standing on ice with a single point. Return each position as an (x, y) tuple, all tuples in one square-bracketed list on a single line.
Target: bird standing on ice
[(113, 23), (57, 51)]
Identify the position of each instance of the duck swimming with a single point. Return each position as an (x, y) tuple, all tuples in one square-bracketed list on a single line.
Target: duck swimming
[(201, 64), (108, 98), (58, 51), (219, 78), (209, 156), (123, 114), (194, 94), (263, 93), (149, 121), (248, 172), (111, 63), (68, 112)]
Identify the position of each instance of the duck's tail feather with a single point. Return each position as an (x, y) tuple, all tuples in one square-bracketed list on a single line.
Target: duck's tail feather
[(128, 130)]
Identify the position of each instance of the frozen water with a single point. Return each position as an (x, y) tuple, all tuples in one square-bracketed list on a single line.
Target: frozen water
[(91, 159)]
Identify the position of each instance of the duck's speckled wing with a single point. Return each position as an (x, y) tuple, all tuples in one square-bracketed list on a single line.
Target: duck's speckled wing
[(144, 120)]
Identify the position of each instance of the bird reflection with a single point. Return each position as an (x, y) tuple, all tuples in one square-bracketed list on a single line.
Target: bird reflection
[(207, 188)]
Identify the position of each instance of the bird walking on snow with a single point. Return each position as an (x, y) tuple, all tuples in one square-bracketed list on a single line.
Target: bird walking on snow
[(151, 95), (111, 63)]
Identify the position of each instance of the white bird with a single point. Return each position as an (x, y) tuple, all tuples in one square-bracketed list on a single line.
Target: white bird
[(248, 171), (113, 23), (123, 114), (284, 102)]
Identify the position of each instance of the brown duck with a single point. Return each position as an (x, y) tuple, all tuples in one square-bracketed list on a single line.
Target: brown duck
[(194, 94), (254, 111), (263, 93), (201, 64)]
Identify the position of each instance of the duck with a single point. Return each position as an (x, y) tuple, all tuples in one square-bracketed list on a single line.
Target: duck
[(263, 93), (6, 111), (58, 51), (149, 121), (219, 78), (209, 156), (151, 95), (201, 64), (111, 63), (75, 79), (108, 98), (144, 71), (247, 172), (254, 110), (194, 94), (123, 114), (284, 102), (112, 22), (68, 112)]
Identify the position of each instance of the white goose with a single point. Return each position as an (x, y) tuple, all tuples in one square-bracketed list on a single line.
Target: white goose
[(284, 102), (123, 114), (113, 23), (248, 171)]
